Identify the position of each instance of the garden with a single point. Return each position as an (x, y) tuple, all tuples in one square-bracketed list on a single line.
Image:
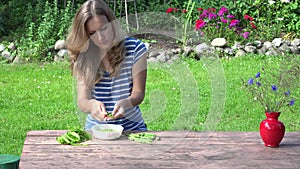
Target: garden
[(230, 60)]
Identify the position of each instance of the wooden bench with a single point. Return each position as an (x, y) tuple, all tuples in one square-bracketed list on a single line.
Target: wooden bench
[(176, 149)]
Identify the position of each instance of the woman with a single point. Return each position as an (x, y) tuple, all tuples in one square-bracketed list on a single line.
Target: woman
[(110, 68)]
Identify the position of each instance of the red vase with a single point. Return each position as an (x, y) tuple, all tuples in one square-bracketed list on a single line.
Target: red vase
[(272, 130)]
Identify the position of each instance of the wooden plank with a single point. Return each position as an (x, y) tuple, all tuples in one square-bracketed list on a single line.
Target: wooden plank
[(176, 149), (45, 133), (98, 161), (163, 140), (288, 139), (119, 149), (213, 156), (186, 134)]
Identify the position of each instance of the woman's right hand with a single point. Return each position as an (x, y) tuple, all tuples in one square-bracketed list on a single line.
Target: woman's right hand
[(98, 110)]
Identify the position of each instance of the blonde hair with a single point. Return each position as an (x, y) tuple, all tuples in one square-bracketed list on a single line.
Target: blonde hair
[(84, 54)]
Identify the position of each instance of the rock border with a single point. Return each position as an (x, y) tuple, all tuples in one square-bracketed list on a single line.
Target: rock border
[(278, 46)]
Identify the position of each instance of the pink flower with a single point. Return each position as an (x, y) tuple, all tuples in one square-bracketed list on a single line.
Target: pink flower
[(233, 23), (212, 16), (204, 14), (245, 35), (252, 25), (222, 11), (248, 17), (230, 16), (184, 11), (199, 24), (169, 10), (224, 20)]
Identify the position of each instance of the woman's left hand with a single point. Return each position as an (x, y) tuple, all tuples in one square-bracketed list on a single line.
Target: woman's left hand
[(118, 111)]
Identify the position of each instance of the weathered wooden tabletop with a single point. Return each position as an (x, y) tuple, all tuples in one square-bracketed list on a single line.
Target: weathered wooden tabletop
[(176, 149)]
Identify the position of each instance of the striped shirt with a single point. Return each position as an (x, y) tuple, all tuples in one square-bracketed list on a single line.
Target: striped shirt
[(111, 90)]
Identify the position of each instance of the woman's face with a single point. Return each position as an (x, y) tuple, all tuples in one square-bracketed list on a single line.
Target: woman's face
[(100, 31)]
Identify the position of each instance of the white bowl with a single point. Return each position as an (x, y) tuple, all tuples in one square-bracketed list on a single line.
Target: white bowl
[(107, 131)]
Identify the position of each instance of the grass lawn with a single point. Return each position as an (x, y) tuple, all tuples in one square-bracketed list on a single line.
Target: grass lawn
[(193, 95)]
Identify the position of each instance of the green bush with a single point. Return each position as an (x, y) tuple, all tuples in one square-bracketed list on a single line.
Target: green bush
[(34, 25), (44, 29)]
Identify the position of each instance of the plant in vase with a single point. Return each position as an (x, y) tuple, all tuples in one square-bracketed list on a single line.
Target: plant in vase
[(272, 88)]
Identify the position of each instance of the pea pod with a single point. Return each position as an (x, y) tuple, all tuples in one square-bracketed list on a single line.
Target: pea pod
[(146, 138), (74, 137), (109, 114)]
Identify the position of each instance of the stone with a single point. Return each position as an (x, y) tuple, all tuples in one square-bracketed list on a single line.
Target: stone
[(249, 44), (2, 47), (295, 42), (175, 57), (288, 42), (19, 60), (237, 45), (294, 50), (154, 53), (201, 48), (211, 50), (272, 52), (152, 59), (284, 48), (218, 42), (219, 49), (161, 58), (250, 49), (187, 50), (258, 44), (12, 46), (6, 54), (268, 45), (62, 53), (277, 42), (174, 51), (60, 44), (262, 50), (57, 58), (179, 50), (240, 52), (229, 51), (268, 53)]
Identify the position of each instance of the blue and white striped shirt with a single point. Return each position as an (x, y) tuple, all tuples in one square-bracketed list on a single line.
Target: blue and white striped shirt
[(111, 90)]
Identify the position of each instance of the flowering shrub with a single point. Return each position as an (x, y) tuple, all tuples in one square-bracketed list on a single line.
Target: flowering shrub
[(213, 24), (272, 89)]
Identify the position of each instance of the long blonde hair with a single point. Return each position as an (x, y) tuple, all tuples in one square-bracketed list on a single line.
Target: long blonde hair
[(84, 54)]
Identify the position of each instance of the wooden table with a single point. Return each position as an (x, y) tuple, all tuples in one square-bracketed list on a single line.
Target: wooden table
[(176, 149)]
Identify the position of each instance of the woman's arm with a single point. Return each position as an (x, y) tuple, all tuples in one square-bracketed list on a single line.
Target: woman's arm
[(83, 96), (139, 74), (88, 105)]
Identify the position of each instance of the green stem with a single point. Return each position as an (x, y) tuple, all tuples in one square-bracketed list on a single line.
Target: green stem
[(189, 15)]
